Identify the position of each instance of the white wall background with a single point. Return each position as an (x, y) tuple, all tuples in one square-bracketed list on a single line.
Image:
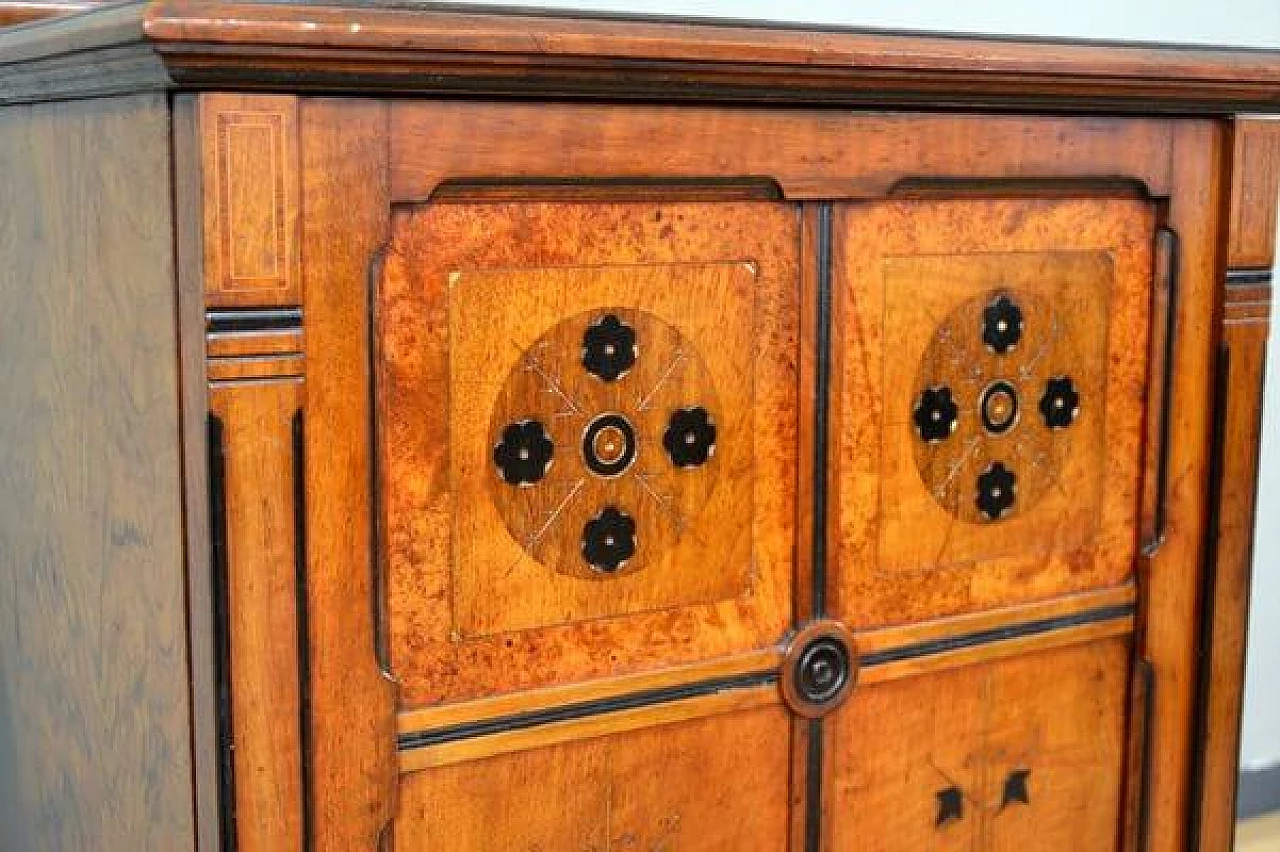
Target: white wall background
[(1247, 23)]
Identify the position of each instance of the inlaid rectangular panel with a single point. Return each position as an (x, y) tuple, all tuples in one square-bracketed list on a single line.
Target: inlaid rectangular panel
[(249, 151), (989, 402), (719, 784), (1021, 755), (587, 426)]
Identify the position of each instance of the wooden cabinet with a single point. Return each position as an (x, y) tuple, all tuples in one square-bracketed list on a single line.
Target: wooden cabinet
[(679, 455)]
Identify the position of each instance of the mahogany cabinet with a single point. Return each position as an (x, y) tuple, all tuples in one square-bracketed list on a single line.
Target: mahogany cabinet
[(430, 430)]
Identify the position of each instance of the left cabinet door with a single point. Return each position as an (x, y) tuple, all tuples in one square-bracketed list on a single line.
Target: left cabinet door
[(586, 426)]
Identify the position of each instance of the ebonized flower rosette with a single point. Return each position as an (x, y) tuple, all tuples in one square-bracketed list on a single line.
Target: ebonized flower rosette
[(604, 442)]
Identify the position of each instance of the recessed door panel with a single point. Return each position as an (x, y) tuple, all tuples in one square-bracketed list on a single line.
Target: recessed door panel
[(719, 784), (990, 398), (1021, 755), (587, 421)]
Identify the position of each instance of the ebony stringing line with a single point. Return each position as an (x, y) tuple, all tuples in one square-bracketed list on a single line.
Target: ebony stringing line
[(298, 427), (221, 629), (1209, 581), (1245, 277), (253, 319), (997, 634), (1169, 238), (822, 392), (582, 710)]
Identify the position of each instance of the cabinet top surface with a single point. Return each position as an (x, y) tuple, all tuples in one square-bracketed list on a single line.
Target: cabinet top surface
[(384, 46)]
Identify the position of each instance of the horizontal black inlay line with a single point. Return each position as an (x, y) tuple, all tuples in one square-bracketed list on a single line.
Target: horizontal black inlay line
[(997, 634), (253, 319), (582, 710), (1244, 277)]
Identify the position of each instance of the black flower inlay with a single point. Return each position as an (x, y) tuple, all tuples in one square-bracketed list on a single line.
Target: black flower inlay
[(1002, 325), (524, 454), (997, 490), (1060, 404), (609, 540), (1015, 789), (690, 438), (950, 806), (936, 414), (609, 348)]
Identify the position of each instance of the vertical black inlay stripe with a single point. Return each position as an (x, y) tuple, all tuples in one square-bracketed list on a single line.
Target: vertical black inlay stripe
[(821, 437), (303, 621), (813, 789), (1148, 674), (822, 391), (1166, 240), (221, 629), (1209, 586)]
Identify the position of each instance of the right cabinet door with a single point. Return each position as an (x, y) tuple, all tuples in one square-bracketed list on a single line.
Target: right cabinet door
[(989, 413)]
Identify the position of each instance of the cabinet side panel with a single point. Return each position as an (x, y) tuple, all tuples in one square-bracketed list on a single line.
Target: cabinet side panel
[(95, 750)]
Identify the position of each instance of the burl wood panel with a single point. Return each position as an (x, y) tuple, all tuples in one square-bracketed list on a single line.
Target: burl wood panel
[(719, 784), (1023, 754), (95, 748), (914, 283), (262, 609), (466, 292), (1246, 324), (249, 147), (1255, 175)]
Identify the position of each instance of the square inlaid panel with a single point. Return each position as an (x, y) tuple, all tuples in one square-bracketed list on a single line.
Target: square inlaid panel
[(1021, 755), (587, 418), (719, 784), (990, 396)]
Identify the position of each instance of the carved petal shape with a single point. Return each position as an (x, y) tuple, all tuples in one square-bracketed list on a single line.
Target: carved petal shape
[(1060, 405), (997, 491), (609, 348), (690, 437), (936, 414), (609, 540), (524, 453), (1002, 325)]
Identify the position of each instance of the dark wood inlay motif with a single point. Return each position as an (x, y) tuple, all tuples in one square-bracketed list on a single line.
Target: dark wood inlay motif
[(604, 442), (992, 356)]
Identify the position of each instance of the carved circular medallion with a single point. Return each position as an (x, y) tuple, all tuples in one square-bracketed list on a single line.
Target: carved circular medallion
[(981, 456), (604, 439)]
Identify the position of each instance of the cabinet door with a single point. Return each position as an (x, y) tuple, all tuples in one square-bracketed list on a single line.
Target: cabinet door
[(587, 427), (990, 396)]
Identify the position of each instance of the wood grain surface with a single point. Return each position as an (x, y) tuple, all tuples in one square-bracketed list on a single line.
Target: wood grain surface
[(900, 555), (353, 701), (718, 784), (1026, 753), (262, 609), (95, 743), (552, 261), (1255, 177), (1245, 331), (809, 154)]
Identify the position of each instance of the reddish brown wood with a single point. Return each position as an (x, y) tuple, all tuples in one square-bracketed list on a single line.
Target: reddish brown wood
[(1255, 175), (352, 701)]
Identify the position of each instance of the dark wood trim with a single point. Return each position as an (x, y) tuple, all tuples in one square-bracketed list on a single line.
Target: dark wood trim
[(221, 631), (380, 47)]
